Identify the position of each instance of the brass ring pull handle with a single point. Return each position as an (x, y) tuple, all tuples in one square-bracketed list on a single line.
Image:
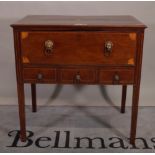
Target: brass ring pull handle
[(49, 46), (39, 76), (108, 48), (116, 79)]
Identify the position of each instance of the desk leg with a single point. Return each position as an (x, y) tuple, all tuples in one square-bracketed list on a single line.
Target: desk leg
[(124, 90), (21, 103), (33, 94), (134, 114)]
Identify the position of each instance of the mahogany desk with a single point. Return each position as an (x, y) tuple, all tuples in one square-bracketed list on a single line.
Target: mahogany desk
[(103, 50)]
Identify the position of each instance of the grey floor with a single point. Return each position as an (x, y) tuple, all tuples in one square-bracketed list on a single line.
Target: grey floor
[(104, 122)]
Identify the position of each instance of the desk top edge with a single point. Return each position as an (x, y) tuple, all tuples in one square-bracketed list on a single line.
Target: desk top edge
[(79, 21)]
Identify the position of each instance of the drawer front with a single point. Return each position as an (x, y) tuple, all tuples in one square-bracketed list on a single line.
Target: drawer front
[(39, 75), (116, 76), (77, 76), (85, 48)]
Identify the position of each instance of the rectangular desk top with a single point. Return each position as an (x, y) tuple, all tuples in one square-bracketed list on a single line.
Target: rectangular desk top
[(124, 21)]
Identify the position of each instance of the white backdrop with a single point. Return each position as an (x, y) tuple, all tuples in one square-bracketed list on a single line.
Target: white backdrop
[(71, 95)]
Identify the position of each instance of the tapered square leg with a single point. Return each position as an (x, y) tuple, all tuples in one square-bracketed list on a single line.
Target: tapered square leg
[(33, 94), (134, 114), (21, 103), (124, 91)]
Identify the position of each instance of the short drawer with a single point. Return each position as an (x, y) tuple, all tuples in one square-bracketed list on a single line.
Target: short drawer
[(116, 76), (77, 76), (85, 48), (39, 75)]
